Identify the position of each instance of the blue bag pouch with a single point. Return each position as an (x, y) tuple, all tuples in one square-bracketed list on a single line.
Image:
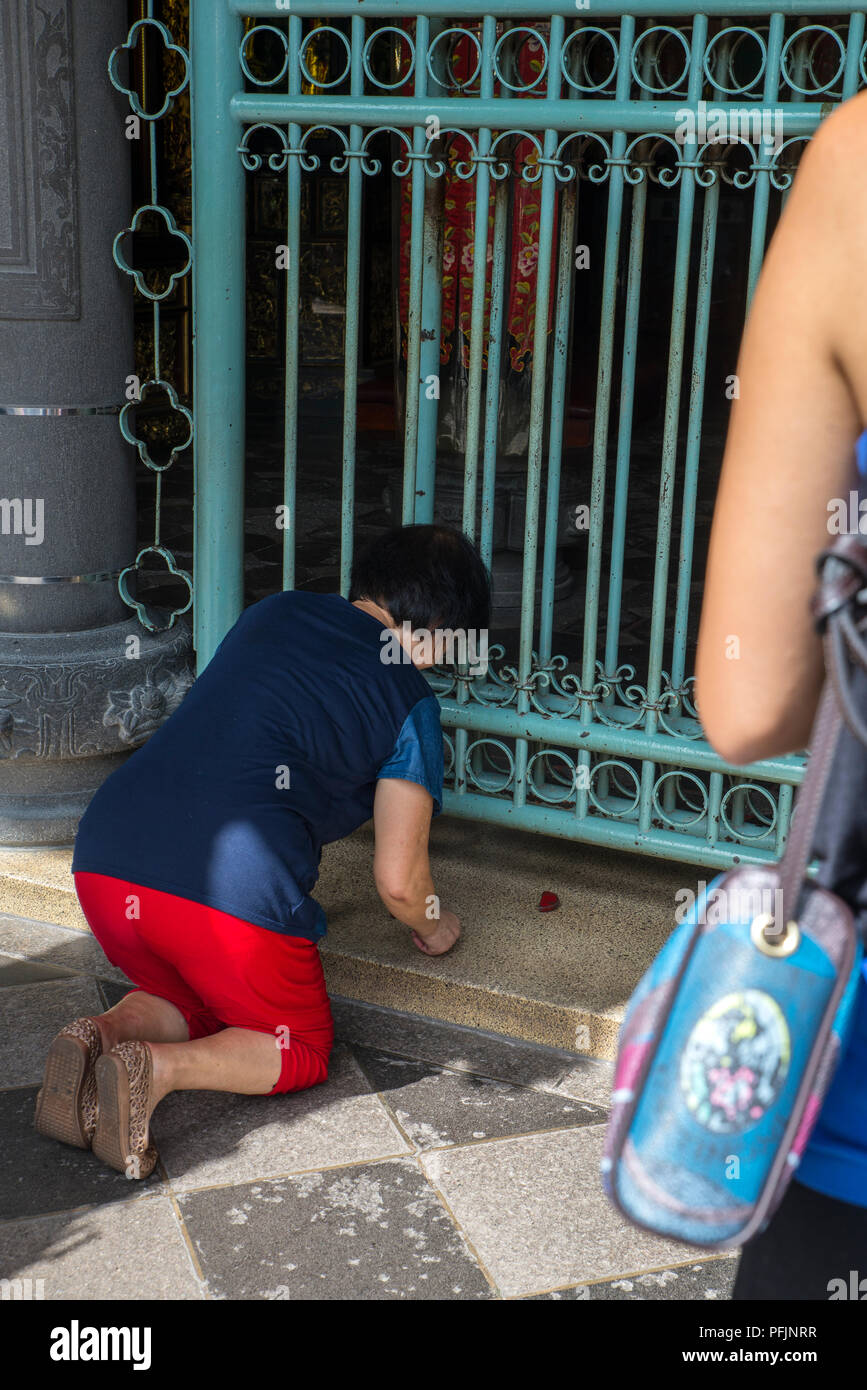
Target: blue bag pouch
[(725, 1057), (731, 1039)]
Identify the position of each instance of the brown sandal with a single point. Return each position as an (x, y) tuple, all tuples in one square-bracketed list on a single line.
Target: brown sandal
[(66, 1106), (124, 1080)]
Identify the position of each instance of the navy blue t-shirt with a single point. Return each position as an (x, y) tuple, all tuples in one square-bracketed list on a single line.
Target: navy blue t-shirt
[(274, 752)]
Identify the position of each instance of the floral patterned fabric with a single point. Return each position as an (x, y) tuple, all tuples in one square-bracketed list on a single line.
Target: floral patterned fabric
[(458, 261)]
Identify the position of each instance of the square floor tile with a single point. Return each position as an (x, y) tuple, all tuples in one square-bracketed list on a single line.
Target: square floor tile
[(374, 1232), (40, 1175), (711, 1281), (31, 1016), (207, 1138), (534, 1210), (436, 1107), (134, 1251)]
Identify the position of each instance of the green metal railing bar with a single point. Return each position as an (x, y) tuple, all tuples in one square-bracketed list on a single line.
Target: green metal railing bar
[(219, 231), (535, 9), (470, 113), (293, 316)]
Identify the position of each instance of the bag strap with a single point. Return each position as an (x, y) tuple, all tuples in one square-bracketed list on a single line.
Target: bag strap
[(842, 570), (796, 856)]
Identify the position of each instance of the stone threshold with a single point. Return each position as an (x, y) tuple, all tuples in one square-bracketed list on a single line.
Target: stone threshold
[(559, 979)]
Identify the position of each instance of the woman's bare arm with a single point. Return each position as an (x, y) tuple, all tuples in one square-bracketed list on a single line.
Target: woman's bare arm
[(803, 401), (402, 814)]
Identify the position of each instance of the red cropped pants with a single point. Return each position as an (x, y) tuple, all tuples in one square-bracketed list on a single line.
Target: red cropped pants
[(219, 971)]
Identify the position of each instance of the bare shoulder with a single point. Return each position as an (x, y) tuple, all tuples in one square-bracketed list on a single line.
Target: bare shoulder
[(829, 185), (819, 253), (830, 188), (842, 136)]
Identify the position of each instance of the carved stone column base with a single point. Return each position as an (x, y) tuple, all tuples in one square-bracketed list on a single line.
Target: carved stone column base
[(73, 705)]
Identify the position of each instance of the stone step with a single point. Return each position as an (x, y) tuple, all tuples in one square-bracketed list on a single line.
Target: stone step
[(36, 883), (558, 978)]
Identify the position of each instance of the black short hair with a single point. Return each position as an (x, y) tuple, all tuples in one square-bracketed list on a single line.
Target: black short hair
[(429, 576)]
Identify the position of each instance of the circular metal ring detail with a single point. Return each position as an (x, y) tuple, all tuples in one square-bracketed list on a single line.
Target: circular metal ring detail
[(786, 946), (315, 35), (245, 55), (504, 41), (453, 83), (372, 40)]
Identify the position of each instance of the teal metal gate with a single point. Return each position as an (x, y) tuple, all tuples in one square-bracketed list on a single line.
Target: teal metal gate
[(601, 753)]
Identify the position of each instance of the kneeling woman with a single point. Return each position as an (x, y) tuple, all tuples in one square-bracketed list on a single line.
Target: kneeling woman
[(195, 861)]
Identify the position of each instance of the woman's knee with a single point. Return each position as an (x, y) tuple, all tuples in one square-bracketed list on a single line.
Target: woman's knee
[(302, 1066)]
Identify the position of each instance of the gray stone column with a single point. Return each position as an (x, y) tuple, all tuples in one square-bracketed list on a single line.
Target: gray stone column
[(76, 694)]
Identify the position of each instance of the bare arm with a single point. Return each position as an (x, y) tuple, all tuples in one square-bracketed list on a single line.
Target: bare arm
[(803, 401), (401, 868)]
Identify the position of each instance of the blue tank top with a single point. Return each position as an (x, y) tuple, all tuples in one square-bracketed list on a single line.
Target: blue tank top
[(274, 752)]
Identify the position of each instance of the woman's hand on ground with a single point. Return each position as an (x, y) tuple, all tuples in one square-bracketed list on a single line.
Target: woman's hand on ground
[(443, 938)]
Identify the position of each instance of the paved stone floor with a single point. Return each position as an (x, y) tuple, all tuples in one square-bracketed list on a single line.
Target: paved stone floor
[(437, 1162)]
